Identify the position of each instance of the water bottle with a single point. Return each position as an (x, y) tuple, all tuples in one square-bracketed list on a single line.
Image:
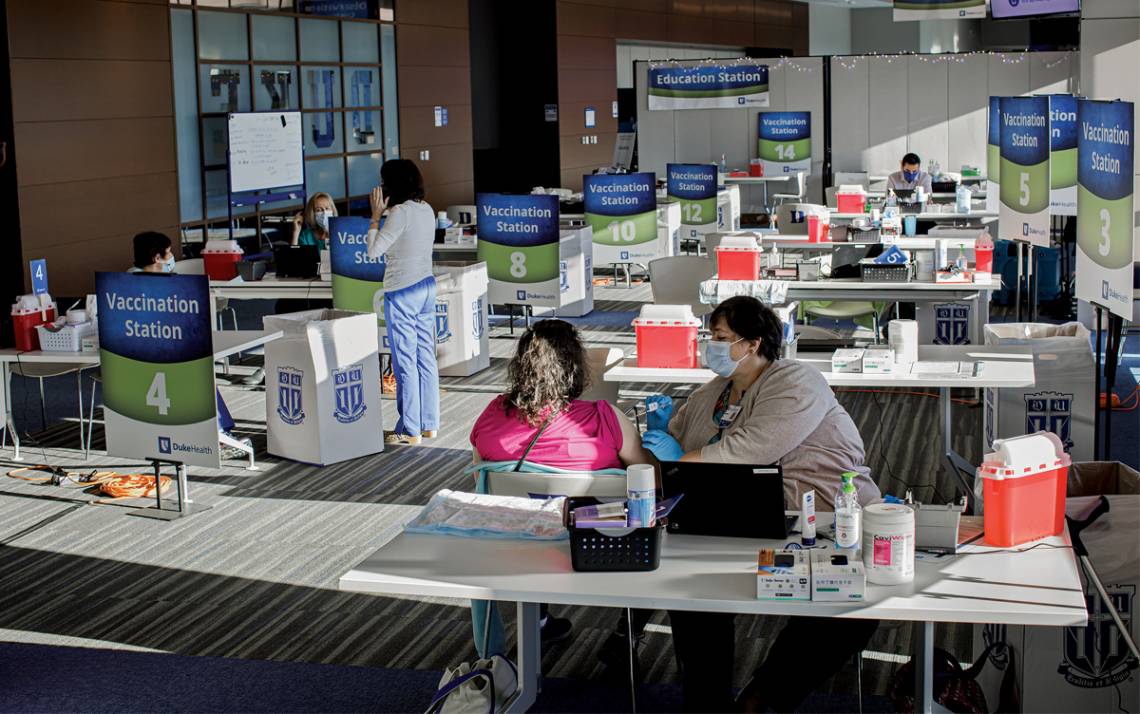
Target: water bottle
[(723, 164), (962, 263), (848, 514)]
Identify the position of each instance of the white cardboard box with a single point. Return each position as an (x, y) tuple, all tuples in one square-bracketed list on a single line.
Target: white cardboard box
[(461, 347), (837, 575), (848, 361), (879, 361), (783, 575), (322, 386)]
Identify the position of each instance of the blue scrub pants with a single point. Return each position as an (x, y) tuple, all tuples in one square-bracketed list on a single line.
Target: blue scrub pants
[(410, 314)]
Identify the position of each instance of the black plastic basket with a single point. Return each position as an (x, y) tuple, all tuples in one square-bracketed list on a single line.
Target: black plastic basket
[(592, 550), (885, 272)]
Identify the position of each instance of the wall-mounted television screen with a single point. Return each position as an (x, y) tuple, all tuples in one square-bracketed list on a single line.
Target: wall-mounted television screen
[(1008, 9)]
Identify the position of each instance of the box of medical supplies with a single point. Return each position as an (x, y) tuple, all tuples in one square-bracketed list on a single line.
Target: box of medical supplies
[(1024, 482), (611, 549), (851, 199), (220, 258), (738, 257), (667, 336), (847, 361), (322, 386), (878, 360), (28, 313), (783, 575), (837, 575), (461, 346)]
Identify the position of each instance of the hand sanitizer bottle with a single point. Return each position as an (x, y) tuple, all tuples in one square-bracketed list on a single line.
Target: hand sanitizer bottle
[(848, 514)]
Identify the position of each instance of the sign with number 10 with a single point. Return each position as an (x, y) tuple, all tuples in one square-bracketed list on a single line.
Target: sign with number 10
[(1105, 204), (518, 239), (1025, 187), (156, 353), (621, 209)]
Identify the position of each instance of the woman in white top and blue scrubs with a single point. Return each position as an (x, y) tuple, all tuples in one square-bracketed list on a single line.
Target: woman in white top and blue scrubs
[(406, 238)]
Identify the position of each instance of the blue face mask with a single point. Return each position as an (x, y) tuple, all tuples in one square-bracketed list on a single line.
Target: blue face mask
[(910, 175), (718, 358)]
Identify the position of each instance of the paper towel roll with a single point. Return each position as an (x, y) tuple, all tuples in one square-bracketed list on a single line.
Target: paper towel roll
[(903, 339)]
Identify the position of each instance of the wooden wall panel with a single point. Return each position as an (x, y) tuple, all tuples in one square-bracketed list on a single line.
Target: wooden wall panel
[(94, 132)]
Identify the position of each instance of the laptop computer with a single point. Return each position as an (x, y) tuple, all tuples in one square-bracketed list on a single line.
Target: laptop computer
[(297, 261), (737, 500)]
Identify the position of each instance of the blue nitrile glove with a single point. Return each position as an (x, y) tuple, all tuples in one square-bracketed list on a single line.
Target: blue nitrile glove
[(658, 417), (661, 445)]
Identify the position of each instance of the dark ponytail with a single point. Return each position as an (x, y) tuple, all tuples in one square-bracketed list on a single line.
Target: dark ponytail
[(752, 320)]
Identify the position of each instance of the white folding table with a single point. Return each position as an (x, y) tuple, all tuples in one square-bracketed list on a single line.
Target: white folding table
[(1009, 367), (707, 574)]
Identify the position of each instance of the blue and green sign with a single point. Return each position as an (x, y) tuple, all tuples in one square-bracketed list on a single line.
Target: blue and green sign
[(1105, 201), (357, 280), (938, 9), (156, 354), (694, 187), (1025, 169), (518, 239), (708, 85), (993, 155), (621, 209), (1063, 154), (785, 142)]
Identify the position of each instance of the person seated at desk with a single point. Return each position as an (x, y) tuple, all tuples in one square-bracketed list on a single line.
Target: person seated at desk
[(760, 409), (311, 227), (154, 253), (910, 175), (545, 379)]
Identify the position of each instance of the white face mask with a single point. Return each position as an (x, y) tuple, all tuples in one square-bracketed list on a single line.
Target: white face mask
[(168, 265), (322, 218)]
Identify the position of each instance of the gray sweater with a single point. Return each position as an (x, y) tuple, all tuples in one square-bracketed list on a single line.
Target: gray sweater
[(788, 416)]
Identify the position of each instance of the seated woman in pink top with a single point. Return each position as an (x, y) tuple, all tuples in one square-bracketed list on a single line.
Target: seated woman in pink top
[(546, 376)]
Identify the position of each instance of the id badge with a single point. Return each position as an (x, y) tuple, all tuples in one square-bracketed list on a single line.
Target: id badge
[(729, 416)]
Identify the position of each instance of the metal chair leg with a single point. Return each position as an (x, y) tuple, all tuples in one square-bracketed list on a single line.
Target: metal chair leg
[(90, 419), (79, 396), (632, 651), (43, 405), (859, 679)]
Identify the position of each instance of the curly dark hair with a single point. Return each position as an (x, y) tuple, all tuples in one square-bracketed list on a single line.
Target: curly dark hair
[(548, 371)]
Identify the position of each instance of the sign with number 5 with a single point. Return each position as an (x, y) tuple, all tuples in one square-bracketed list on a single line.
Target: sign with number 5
[(1105, 204), (1024, 169)]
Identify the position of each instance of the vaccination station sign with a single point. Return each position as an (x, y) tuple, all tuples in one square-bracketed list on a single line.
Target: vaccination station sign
[(1025, 188), (1063, 155), (785, 142), (993, 156), (156, 355), (709, 85), (621, 210), (1105, 204), (939, 9), (357, 280), (694, 187), (518, 239)]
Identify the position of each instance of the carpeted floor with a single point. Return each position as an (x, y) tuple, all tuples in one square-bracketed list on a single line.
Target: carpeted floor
[(253, 579)]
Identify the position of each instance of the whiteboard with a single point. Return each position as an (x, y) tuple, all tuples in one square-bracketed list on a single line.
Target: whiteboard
[(266, 151)]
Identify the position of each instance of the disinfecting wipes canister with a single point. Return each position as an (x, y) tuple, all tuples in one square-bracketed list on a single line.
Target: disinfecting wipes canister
[(888, 543)]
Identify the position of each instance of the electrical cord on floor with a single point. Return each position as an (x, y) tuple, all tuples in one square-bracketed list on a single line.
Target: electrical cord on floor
[(890, 471), (110, 483)]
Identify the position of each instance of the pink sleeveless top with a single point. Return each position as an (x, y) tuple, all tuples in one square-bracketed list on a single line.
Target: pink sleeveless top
[(585, 437)]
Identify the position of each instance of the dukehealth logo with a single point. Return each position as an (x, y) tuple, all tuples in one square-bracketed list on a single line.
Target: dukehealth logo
[(164, 445)]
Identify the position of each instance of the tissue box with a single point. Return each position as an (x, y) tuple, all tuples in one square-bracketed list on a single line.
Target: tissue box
[(837, 575), (783, 575), (847, 361), (879, 361)]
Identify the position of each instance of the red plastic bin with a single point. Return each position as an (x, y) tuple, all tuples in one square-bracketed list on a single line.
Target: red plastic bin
[(851, 202), (1024, 484), (26, 316), (220, 258), (667, 337), (738, 257)]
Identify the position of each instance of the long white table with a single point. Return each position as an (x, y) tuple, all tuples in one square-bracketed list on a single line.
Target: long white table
[(1008, 367), (938, 216), (761, 181), (707, 574), (272, 287), (226, 343), (800, 242)]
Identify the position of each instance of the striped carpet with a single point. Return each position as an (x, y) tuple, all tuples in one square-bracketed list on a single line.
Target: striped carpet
[(255, 576)]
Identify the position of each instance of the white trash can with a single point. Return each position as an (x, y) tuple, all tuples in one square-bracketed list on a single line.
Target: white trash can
[(461, 318), (1061, 401), (322, 379)]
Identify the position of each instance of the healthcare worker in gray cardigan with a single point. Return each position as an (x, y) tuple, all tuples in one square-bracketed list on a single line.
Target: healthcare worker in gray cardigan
[(762, 410)]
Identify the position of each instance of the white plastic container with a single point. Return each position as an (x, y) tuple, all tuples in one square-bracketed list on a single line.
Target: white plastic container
[(902, 336), (888, 543), (640, 491)]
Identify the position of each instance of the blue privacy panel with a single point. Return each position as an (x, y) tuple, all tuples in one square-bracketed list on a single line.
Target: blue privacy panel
[(360, 43), (363, 173), (325, 175), (222, 36), (224, 88), (273, 38), (274, 87), (388, 70), (320, 87), (186, 114), (323, 133), (319, 41)]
